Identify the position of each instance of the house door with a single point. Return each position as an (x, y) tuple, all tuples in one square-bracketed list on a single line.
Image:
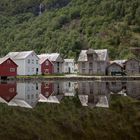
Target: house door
[(36, 70)]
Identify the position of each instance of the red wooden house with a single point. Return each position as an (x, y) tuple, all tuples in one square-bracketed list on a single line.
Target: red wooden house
[(8, 67), (7, 91), (46, 65)]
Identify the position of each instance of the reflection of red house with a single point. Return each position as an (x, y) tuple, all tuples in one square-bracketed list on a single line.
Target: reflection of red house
[(7, 67), (46, 65), (47, 89), (8, 91)]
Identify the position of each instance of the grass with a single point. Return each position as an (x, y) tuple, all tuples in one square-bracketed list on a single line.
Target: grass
[(69, 120)]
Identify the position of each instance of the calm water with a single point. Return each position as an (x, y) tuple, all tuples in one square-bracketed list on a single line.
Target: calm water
[(89, 93)]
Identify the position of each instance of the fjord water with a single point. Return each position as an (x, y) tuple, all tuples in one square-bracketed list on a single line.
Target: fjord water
[(70, 110)]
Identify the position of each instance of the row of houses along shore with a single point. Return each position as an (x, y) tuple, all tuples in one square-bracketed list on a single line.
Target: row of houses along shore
[(90, 62)]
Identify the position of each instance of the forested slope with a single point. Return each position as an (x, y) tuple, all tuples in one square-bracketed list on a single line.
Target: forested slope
[(67, 26)]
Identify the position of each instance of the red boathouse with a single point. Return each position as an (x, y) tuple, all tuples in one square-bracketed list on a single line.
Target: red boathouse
[(46, 66), (8, 68)]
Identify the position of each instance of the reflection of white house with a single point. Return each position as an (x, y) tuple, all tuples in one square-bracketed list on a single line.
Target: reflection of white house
[(94, 100), (27, 61), (92, 88), (28, 95), (69, 88), (93, 94), (69, 66)]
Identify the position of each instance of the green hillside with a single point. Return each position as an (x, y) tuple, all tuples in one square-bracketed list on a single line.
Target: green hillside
[(67, 26)]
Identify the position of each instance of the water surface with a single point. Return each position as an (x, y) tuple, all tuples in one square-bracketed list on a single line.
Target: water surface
[(70, 110)]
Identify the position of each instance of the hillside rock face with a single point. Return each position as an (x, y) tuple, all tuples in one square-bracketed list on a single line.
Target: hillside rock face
[(67, 26)]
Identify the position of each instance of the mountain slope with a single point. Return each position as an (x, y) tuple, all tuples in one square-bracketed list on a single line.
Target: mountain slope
[(67, 26)]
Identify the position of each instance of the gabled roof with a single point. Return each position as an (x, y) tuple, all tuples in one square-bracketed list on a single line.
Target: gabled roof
[(52, 56), (118, 62), (2, 60), (42, 59), (102, 55), (132, 59), (19, 55)]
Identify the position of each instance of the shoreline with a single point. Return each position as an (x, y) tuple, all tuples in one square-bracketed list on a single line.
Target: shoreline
[(77, 78)]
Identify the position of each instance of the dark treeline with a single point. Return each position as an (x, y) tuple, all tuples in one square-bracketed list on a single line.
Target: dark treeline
[(67, 26)]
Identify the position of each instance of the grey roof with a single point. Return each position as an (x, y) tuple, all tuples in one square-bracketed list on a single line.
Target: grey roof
[(42, 59), (52, 56), (19, 55), (102, 55), (119, 62)]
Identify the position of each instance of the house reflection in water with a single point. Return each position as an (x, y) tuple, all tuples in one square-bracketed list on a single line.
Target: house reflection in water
[(93, 94), (28, 95), (69, 88), (90, 93), (8, 91), (117, 87), (133, 89), (51, 92)]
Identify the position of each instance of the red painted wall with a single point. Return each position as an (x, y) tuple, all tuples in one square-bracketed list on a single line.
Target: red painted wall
[(5, 68), (8, 91), (47, 69), (47, 89)]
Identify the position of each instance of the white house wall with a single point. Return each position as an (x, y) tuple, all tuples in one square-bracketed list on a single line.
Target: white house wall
[(31, 68), (21, 67)]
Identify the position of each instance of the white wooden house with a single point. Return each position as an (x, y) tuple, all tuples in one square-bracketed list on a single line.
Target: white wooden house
[(27, 61), (93, 61), (69, 66)]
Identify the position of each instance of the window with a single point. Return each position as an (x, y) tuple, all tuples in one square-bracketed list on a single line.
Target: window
[(28, 61), (32, 61), (98, 67), (8, 61), (66, 63), (83, 65), (90, 65), (46, 85), (28, 97), (12, 69), (32, 69), (32, 96), (36, 61), (47, 63), (11, 90)]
